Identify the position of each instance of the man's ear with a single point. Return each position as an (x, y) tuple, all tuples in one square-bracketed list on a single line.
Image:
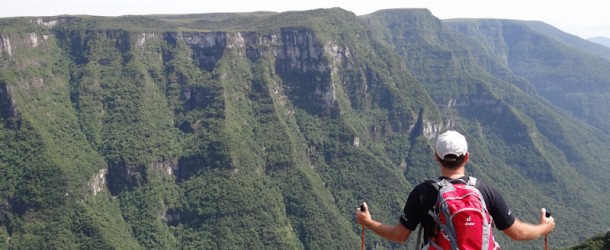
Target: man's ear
[(436, 157), (466, 157)]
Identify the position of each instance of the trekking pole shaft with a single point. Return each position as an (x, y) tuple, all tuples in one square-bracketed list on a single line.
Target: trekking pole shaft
[(362, 239), (546, 236), (362, 208), (546, 242)]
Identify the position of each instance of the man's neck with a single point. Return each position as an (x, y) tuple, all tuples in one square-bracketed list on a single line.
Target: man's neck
[(453, 173), (454, 176)]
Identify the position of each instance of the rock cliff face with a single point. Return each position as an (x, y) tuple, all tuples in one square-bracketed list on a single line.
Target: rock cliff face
[(224, 131), (5, 47), (160, 109), (8, 113)]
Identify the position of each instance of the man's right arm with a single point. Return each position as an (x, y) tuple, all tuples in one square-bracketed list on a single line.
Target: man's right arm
[(397, 233), (525, 231)]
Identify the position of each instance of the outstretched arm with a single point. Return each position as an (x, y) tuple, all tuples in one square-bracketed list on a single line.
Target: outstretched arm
[(526, 231), (397, 233)]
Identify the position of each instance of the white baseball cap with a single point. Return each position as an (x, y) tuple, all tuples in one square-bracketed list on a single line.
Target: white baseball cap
[(451, 143)]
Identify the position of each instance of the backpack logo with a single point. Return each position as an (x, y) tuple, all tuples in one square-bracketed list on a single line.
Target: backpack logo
[(461, 216), (468, 222)]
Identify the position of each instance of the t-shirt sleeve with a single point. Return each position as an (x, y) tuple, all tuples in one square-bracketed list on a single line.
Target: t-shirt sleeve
[(498, 209), (411, 216)]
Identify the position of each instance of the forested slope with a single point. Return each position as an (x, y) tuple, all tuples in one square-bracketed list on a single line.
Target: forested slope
[(266, 130)]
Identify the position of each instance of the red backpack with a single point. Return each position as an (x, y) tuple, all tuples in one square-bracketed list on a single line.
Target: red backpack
[(462, 219)]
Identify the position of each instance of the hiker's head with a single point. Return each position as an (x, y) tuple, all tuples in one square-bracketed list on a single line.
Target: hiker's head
[(451, 149)]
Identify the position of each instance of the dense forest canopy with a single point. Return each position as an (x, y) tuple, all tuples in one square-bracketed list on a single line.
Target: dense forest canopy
[(266, 130)]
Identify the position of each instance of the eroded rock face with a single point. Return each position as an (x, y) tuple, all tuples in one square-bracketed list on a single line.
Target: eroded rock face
[(169, 167), (5, 45), (295, 51), (98, 182), (12, 44)]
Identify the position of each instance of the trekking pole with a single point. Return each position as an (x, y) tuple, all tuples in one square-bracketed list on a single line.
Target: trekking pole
[(362, 209), (546, 236)]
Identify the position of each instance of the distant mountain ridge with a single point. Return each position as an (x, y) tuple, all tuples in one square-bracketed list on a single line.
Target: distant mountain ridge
[(550, 69), (601, 40), (570, 39), (266, 130)]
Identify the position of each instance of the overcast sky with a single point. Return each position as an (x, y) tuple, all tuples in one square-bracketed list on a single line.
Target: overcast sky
[(584, 18)]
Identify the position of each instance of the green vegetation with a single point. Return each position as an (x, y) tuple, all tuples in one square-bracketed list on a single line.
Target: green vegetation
[(266, 130), (601, 242)]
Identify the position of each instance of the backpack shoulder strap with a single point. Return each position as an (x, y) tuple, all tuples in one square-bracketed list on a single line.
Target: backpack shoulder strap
[(436, 184), (419, 237), (442, 183)]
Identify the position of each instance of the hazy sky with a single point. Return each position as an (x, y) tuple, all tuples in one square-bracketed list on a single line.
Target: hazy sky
[(584, 18)]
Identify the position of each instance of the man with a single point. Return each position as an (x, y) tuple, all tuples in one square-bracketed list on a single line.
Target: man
[(452, 156)]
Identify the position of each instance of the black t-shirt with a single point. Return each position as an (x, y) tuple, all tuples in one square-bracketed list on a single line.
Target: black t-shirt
[(423, 198)]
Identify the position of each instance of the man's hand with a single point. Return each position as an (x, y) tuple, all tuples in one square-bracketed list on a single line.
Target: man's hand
[(548, 222), (363, 217), (397, 233)]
